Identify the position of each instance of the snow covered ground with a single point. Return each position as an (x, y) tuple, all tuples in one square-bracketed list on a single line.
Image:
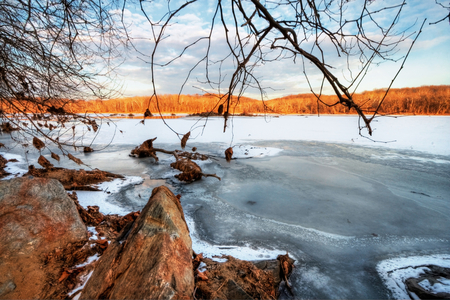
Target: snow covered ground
[(350, 210)]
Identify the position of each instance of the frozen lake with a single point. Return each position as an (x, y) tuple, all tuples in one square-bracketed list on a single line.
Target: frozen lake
[(349, 209)]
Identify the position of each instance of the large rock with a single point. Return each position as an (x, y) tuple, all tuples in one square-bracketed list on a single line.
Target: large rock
[(151, 258), (36, 217)]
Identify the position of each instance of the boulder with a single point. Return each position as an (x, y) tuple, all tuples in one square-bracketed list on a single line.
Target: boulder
[(150, 259), (36, 217), (434, 275)]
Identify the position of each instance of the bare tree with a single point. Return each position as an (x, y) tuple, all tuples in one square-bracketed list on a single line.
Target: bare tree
[(316, 34), (52, 52)]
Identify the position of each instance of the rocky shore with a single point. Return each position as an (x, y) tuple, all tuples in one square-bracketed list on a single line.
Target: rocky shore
[(47, 251)]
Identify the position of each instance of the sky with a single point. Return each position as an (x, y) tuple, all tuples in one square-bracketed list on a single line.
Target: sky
[(428, 62)]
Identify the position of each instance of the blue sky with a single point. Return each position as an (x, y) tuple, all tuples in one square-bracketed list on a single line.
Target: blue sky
[(428, 63)]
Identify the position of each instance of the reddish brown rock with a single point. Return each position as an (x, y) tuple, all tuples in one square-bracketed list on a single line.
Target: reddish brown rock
[(36, 217), (151, 258)]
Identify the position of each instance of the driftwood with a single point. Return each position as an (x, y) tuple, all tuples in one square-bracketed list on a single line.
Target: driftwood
[(229, 154), (190, 170), (81, 180)]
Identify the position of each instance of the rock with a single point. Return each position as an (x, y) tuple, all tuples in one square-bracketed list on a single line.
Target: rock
[(150, 259), (433, 274), (240, 279), (36, 217), (7, 287)]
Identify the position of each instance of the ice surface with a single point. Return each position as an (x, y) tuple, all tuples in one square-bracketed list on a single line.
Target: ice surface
[(240, 252), (339, 203)]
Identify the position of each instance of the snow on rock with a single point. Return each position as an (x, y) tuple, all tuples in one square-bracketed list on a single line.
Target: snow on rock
[(394, 272)]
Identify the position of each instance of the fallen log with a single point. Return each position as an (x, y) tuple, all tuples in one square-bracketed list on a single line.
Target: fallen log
[(81, 180)]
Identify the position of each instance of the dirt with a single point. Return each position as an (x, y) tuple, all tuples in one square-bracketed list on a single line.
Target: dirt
[(60, 283), (7, 128), (3, 162), (239, 279), (82, 180)]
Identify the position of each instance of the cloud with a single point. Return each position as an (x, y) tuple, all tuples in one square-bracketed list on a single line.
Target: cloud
[(281, 77)]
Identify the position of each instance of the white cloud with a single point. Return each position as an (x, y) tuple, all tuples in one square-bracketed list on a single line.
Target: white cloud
[(285, 77)]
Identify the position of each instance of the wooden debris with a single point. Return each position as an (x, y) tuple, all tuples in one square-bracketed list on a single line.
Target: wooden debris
[(7, 127), (190, 170), (37, 143), (74, 179), (147, 113), (44, 162), (287, 264), (201, 275), (145, 150), (235, 279), (228, 154), (88, 149), (184, 139), (55, 156), (76, 160)]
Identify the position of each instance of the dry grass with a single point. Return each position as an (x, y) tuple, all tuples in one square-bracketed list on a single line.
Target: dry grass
[(425, 100)]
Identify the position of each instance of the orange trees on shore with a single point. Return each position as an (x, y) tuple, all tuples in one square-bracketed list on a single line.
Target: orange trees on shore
[(425, 100)]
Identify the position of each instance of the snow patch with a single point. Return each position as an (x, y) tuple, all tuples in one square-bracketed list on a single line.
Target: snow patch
[(240, 252), (117, 184), (12, 167), (247, 151), (89, 198), (83, 280)]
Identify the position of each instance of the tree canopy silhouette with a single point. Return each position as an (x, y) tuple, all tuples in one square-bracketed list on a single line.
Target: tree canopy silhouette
[(52, 52)]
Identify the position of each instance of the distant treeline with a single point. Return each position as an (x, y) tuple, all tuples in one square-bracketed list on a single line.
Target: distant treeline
[(425, 100)]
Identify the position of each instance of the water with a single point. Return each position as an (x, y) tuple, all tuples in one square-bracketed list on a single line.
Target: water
[(339, 205)]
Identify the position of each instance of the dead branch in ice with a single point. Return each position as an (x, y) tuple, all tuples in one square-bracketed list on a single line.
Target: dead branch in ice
[(190, 170)]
